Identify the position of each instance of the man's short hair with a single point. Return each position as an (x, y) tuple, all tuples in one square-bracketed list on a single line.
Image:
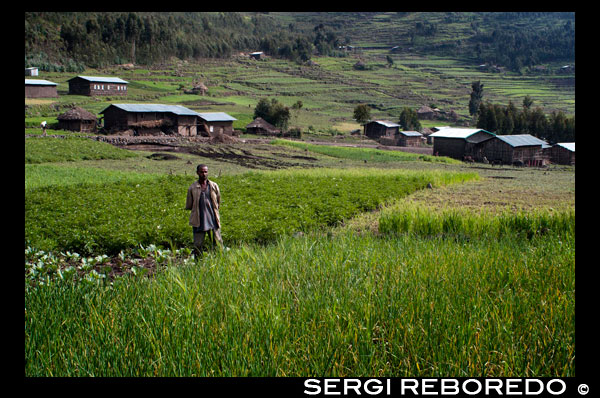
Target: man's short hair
[(201, 166)]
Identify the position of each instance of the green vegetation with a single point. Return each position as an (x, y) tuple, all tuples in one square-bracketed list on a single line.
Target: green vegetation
[(345, 261), (41, 150), (365, 154), (345, 306), (465, 224), (92, 218)]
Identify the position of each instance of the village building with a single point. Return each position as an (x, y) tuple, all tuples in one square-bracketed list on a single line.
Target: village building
[(77, 119), (519, 149), (459, 143), (93, 86), (145, 119), (562, 153), (31, 71), (409, 138), (214, 123), (38, 88), (381, 128), (257, 55), (426, 113), (260, 126)]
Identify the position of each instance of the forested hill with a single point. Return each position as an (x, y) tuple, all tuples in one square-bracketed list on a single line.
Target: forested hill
[(71, 41)]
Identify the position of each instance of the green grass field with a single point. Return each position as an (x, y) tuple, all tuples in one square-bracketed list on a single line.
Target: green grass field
[(340, 263), (112, 289)]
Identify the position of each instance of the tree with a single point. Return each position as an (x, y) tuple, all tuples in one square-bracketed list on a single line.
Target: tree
[(409, 120), (476, 97), (527, 102), (296, 108), (362, 114), (390, 61), (273, 112)]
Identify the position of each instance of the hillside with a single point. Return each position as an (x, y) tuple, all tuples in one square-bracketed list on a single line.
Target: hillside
[(92, 39)]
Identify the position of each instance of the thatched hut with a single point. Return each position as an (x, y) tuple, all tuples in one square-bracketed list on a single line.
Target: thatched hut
[(77, 119), (260, 126), (425, 112)]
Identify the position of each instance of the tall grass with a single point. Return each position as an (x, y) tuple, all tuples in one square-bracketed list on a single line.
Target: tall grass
[(347, 305), (419, 220)]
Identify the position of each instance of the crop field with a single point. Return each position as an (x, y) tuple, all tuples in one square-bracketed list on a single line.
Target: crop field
[(338, 261), (344, 268)]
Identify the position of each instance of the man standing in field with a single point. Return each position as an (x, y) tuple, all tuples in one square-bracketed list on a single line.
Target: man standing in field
[(204, 200)]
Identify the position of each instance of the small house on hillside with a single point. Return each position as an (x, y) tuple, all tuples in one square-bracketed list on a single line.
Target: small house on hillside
[(31, 71), (257, 55), (260, 126), (38, 88), (77, 119), (460, 142), (150, 119), (409, 138), (426, 113), (93, 85), (381, 128), (522, 149), (214, 123), (563, 153)]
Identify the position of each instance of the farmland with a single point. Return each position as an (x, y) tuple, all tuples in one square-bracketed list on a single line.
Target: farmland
[(338, 260), (310, 284)]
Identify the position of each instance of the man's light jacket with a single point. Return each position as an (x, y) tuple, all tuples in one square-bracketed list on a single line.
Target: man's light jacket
[(193, 196)]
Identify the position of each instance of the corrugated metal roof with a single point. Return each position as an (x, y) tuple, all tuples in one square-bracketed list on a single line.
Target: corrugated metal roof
[(99, 79), (216, 117), (453, 132), (385, 123), (411, 133), (39, 82), (567, 145), (522, 140), (176, 109)]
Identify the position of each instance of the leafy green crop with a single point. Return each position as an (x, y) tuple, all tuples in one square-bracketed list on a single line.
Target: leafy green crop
[(256, 207)]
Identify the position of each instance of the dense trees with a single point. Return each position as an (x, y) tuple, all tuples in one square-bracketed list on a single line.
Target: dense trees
[(409, 120), (528, 45), (98, 39), (274, 112), (556, 127)]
